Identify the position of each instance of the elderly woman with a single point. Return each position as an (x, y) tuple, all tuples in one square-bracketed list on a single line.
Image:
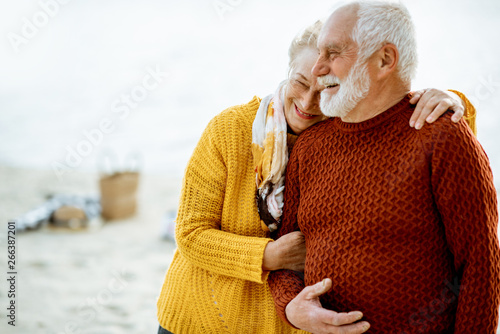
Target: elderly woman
[(217, 281)]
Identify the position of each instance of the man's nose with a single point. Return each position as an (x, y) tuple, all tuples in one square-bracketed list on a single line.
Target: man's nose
[(320, 68)]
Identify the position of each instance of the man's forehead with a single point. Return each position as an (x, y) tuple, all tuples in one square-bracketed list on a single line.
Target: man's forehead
[(334, 39), (337, 30), (331, 43)]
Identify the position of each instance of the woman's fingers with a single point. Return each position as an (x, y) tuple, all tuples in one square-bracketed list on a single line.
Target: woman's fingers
[(416, 96), (420, 98), (433, 113), (432, 104)]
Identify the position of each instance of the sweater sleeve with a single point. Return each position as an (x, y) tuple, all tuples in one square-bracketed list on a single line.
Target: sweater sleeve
[(470, 111), (465, 195), (285, 285), (198, 234)]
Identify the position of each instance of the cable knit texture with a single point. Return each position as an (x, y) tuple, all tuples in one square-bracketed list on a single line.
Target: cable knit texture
[(215, 283), (404, 222)]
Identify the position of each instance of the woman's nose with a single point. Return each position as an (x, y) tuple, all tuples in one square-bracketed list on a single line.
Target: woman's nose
[(310, 101)]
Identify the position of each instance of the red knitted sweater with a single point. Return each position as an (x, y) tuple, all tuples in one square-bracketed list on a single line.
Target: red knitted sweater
[(404, 222)]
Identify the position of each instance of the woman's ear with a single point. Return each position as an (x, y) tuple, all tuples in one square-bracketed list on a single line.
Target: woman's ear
[(388, 57)]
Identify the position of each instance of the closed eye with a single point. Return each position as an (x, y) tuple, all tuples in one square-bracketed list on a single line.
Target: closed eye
[(333, 54), (302, 84)]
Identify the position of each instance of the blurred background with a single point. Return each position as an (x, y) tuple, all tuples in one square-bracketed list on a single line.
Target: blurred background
[(91, 86)]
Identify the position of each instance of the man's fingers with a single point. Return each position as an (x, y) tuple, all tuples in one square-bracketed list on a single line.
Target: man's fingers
[(318, 289), (320, 320), (341, 319), (357, 328), (333, 322)]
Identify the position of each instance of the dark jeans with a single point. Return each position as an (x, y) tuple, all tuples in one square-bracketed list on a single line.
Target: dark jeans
[(162, 330)]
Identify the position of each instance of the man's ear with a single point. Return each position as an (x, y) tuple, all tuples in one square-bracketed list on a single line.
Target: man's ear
[(388, 59)]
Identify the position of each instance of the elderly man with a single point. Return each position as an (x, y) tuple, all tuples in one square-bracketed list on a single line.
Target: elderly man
[(400, 225)]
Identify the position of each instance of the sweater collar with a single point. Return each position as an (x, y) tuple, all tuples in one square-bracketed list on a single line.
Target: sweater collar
[(375, 121)]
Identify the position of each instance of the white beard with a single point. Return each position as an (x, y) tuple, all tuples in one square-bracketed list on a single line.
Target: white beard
[(352, 90)]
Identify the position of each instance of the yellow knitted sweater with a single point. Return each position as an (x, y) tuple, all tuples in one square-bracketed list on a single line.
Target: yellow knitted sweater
[(215, 283)]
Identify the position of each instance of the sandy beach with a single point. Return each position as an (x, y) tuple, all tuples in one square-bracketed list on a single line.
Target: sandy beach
[(100, 280)]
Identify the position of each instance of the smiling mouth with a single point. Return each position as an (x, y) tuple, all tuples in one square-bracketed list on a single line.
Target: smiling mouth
[(331, 86), (303, 114)]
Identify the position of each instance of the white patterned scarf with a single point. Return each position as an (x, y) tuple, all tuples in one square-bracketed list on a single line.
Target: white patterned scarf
[(270, 156)]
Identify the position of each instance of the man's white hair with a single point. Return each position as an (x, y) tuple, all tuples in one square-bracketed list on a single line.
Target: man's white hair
[(383, 22)]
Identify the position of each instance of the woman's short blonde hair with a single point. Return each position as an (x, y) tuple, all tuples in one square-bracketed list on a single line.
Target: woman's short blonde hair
[(307, 39)]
